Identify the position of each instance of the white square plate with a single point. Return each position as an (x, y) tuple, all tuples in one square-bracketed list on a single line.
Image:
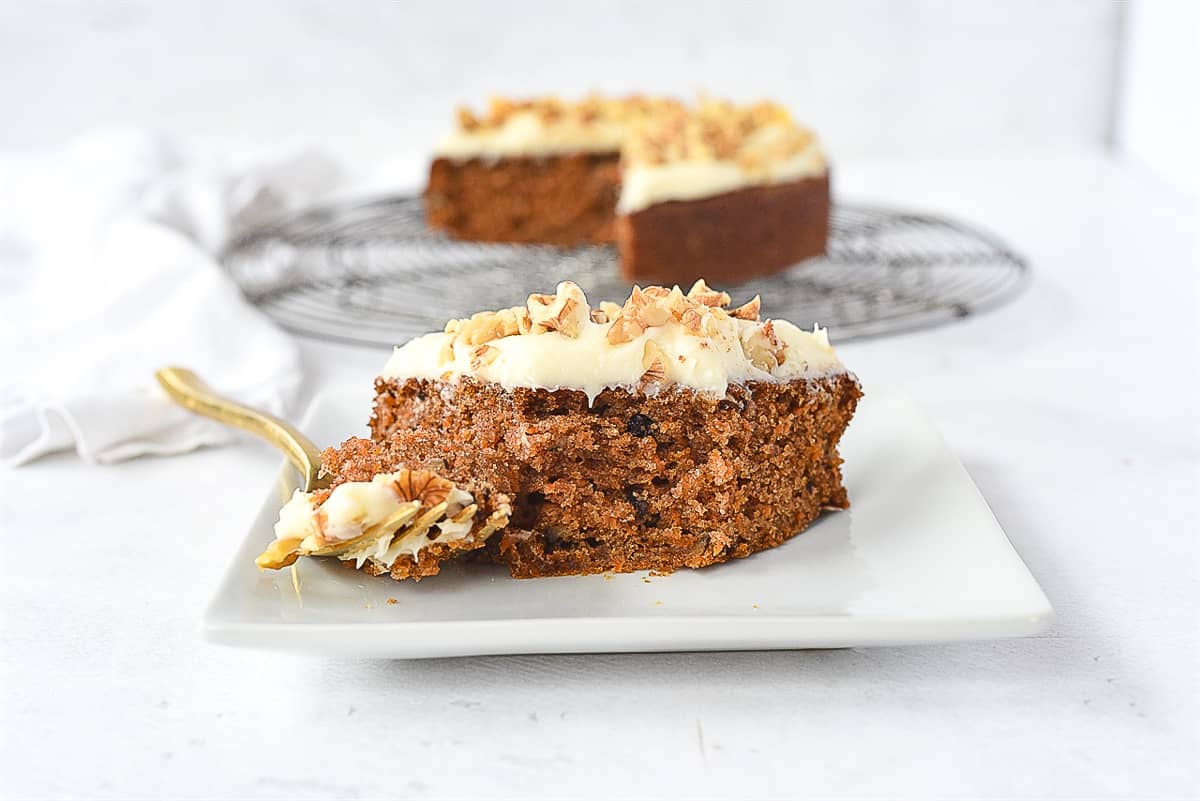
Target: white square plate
[(918, 558)]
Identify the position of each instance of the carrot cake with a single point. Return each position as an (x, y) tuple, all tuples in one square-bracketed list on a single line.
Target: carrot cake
[(557, 438), (726, 191)]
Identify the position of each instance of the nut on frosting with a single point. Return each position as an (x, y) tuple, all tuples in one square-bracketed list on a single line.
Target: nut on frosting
[(752, 136), (650, 131), (658, 337), (669, 150), (551, 110)]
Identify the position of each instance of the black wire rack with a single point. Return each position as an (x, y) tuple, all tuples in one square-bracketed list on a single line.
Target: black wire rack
[(374, 273)]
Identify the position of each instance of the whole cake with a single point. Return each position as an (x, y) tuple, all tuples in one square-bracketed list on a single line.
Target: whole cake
[(726, 191), (671, 431)]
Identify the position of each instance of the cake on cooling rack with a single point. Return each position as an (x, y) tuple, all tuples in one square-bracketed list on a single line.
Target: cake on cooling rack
[(668, 432), (726, 191)]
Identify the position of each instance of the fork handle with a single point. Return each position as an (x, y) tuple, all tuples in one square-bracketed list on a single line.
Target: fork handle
[(185, 388)]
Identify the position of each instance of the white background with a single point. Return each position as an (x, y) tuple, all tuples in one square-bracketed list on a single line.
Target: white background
[(1074, 408), (878, 79)]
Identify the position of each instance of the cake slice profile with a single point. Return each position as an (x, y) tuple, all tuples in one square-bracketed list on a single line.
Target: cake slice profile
[(671, 431), (556, 438), (714, 189)]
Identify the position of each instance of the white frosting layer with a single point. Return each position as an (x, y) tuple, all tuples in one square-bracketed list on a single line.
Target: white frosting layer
[(644, 185), (591, 364), (354, 507), (525, 133), (529, 134)]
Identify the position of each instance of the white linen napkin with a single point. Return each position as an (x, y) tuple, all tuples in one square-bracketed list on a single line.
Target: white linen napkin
[(108, 271)]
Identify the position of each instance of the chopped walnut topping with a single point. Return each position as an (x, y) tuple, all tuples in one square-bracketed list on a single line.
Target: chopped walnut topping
[(487, 325), (466, 120), (763, 348), (662, 130), (706, 296), (652, 355), (701, 312), (749, 311), (549, 109), (654, 365), (651, 315), (483, 355), (607, 312), (624, 328), (753, 136), (422, 485), (699, 321), (565, 311)]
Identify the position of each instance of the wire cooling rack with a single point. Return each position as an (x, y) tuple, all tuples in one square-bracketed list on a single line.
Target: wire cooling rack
[(374, 273)]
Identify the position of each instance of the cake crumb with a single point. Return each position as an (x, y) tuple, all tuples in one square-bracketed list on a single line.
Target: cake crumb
[(393, 601), (754, 605), (658, 603), (608, 576)]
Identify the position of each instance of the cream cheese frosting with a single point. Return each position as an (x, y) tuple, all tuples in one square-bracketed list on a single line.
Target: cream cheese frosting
[(394, 514), (526, 133), (659, 338), (548, 126), (669, 151), (645, 185)]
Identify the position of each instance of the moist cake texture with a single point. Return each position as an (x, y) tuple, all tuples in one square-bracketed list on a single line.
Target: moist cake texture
[(714, 188), (667, 432), (556, 200)]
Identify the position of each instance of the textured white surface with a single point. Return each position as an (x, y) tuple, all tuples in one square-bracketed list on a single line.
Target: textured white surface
[(109, 257), (1074, 409)]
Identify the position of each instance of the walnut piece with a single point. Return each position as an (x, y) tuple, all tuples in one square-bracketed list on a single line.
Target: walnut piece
[(483, 355), (624, 328), (748, 311), (706, 296), (422, 485), (763, 348), (485, 326), (565, 311)]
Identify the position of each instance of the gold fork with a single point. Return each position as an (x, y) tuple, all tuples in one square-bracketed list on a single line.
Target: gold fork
[(185, 388)]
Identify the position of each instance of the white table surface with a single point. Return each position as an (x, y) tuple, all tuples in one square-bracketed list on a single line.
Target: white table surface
[(1075, 409)]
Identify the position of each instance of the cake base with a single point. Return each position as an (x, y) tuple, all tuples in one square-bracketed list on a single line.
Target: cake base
[(556, 200), (727, 238), (630, 482)]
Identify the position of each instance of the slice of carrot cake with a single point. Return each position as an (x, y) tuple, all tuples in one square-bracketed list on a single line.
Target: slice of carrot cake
[(670, 431), (556, 438)]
